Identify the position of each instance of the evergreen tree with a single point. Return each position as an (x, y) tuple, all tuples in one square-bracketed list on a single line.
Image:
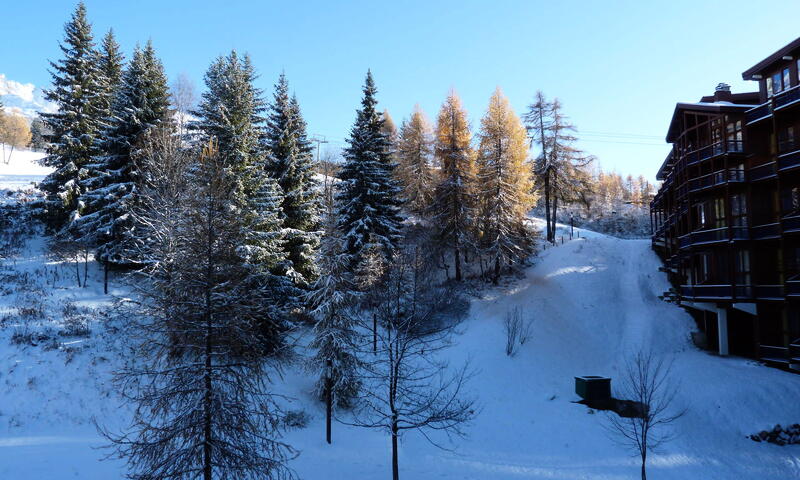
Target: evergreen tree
[(141, 102), (414, 151), (77, 92), (505, 186), (369, 205), (38, 133), (200, 384), (453, 209), (331, 299), (111, 62), (292, 165), (230, 115)]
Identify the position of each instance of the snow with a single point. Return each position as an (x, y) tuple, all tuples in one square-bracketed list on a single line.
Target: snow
[(22, 169), (593, 300)]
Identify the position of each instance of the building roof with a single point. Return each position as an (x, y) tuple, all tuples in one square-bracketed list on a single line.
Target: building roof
[(764, 65), (712, 107)]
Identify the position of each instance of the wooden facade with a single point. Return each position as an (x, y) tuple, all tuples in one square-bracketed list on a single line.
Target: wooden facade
[(726, 220)]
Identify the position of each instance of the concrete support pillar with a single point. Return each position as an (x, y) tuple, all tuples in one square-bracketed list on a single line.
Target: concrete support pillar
[(722, 330)]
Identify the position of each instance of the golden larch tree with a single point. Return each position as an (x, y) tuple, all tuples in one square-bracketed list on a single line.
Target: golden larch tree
[(505, 186), (414, 152)]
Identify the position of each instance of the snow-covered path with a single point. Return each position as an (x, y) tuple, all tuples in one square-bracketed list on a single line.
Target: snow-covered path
[(593, 300)]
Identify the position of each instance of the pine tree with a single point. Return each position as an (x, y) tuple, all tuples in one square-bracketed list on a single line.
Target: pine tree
[(453, 210), (141, 101), (77, 92), (505, 186), (292, 164), (369, 205), (415, 148)]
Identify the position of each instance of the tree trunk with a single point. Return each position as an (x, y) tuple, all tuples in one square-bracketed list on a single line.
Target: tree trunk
[(105, 277), (496, 270), (207, 473), (547, 205), (328, 403), (457, 260), (395, 466), (644, 461)]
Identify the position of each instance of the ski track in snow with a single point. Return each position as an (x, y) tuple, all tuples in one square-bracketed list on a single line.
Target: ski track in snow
[(593, 300)]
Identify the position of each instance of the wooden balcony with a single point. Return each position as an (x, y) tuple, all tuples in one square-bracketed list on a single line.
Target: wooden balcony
[(786, 98), (791, 224), (718, 178), (762, 172), (765, 232), (758, 113)]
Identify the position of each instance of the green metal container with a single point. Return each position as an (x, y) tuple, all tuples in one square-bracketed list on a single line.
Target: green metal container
[(593, 388)]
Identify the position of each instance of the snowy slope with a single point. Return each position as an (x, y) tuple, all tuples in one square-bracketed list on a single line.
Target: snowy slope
[(593, 300), (22, 169)]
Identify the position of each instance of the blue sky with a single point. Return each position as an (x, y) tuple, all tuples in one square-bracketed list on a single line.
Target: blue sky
[(617, 66)]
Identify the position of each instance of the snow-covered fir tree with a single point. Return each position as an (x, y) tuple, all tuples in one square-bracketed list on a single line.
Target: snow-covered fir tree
[(414, 170), (453, 208), (369, 197), (331, 301), (230, 114), (291, 163), (200, 385), (111, 63), (504, 186), (78, 93), (141, 102)]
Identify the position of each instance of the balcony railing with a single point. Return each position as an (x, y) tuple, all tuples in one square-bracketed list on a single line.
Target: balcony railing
[(763, 232), (740, 232), (758, 113), (769, 353), (762, 172), (707, 236), (707, 291), (787, 97), (721, 177), (768, 291), (789, 160), (709, 151), (791, 224)]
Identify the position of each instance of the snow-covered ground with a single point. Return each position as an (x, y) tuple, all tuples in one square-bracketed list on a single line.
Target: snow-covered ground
[(593, 301), (22, 169)]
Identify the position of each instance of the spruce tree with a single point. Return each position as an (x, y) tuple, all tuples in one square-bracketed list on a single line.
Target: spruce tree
[(414, 151), (111, 63), (77, 92), (369, 204), (291, 163), (141, 101), (453, 209), (505, 186), (230, 115)]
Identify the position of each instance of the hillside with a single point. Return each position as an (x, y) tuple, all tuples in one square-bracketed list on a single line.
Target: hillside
[(593, 301)]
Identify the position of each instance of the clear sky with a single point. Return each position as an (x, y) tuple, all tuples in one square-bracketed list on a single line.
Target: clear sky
[(618, 67)]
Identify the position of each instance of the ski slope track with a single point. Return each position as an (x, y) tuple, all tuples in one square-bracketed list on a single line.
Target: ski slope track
[(593, 301)]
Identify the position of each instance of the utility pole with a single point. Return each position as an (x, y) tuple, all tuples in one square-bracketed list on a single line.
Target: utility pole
[(320, 139)]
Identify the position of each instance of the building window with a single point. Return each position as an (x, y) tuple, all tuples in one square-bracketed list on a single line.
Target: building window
[(733, 133), (719, 213), (786, 80), (786, 140), (702, 270), (777, 84), (769, 86), (739, 210), (742, 264)]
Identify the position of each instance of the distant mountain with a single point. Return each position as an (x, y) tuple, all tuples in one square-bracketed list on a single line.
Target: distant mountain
[(24, 98)]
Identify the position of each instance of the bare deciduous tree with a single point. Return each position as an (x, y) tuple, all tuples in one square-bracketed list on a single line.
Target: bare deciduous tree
[(406, 385), (646, 382), (183, 97)]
